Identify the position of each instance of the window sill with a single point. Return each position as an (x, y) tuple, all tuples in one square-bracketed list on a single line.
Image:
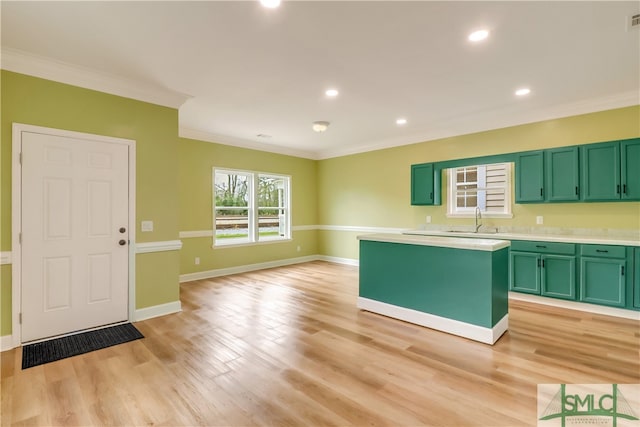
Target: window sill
[(484, 215), (224, 245)]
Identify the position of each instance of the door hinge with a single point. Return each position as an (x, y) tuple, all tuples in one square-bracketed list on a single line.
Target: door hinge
[(20, 318), (20, 159), (20, 238)]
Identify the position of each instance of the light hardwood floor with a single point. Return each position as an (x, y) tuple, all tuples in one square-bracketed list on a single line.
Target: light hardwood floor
[(288, 347)]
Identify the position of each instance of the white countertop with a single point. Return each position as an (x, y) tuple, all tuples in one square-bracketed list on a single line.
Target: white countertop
[(475, 244), (564, 238)]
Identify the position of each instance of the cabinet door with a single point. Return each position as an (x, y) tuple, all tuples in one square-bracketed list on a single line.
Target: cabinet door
[(530, 177), (630, 169), (561, 174), (559, 276), (422, 184), (636, 278), (524, 274), (600, 171), (602, 281)]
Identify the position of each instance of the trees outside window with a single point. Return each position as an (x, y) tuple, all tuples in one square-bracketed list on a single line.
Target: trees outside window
[(250, 207)]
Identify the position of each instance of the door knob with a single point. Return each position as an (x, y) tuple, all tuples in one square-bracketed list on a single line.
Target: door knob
[(122, 229), (122, 242)]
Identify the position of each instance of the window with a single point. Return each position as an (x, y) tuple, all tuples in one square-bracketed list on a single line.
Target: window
[(485, 186), (250, 207)]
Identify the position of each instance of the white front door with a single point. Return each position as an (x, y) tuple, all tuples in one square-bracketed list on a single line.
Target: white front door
[(75, 262)]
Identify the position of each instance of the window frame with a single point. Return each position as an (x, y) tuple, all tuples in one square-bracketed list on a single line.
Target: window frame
[(253, 210), (454, 212)]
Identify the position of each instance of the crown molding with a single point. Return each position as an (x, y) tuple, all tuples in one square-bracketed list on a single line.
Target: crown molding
[(493, 119), (63, 72), (200, 135)]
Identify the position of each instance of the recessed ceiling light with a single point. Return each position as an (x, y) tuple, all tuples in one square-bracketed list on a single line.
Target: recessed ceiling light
[(263, 135), (523, 91), (401, 121), (320, 126), (271, 4), (479, 35), (331, 92)]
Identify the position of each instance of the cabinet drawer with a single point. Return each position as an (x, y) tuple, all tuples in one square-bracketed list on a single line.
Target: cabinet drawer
[(603, 251), (544, 247)]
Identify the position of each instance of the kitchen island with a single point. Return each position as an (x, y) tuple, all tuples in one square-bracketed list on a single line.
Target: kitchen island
[(455, 285)]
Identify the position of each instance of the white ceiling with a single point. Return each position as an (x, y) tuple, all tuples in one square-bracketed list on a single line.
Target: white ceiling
[(248, 70)]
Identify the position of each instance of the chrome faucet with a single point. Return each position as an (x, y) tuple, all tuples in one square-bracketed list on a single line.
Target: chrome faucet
[(478, 219)]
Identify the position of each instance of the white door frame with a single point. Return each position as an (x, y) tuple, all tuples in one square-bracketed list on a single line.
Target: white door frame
[(16, 215)]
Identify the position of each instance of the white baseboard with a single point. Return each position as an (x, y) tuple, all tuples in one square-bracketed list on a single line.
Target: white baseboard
[(576, 305), (6, 342), (337, 260), (189, 277), (157, 311), (451, 326)]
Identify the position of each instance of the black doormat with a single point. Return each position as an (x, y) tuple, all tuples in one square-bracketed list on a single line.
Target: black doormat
[(73, 345)]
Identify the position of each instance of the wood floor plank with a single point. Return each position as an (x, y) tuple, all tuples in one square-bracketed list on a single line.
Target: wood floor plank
[(288, 347)]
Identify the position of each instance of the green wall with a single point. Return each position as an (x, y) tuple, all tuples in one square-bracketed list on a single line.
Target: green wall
[(40, 102), (197, 158), (373, 189)]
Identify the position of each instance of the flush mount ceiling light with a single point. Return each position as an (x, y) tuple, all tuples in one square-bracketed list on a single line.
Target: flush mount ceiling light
[(271, 4), (401, 122), (332, 93), (523, 91), (320, 126), (479, 35)]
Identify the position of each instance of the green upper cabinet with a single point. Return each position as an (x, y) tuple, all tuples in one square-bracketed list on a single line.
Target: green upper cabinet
[(630, 169), (422, 184), (561, 174), (530, 177), (601, 171), (611, 170), (547, 176)]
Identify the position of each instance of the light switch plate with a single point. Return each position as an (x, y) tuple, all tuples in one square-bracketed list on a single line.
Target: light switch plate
[(539, 220), (146, 226)]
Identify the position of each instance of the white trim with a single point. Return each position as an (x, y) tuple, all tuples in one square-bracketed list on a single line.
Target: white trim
[(5, 257), (200, 135), (16, 213), (148, 247), (7, 343), (337, 260), (195, 233), (209, 233), (489, 120), (304, 227), (157, 311), (26, 63), (451, 326), (576, 305), (189, 277), (362, 229)]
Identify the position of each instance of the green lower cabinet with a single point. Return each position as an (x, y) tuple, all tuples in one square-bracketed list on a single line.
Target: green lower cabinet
[(548, 275), (524, 272), (602, 281), (558, 276)]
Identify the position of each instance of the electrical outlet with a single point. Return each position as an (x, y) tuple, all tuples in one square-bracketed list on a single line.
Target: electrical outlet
[(539, 220), (146, 226), (197, 260), (428, 219), (298, 248)]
